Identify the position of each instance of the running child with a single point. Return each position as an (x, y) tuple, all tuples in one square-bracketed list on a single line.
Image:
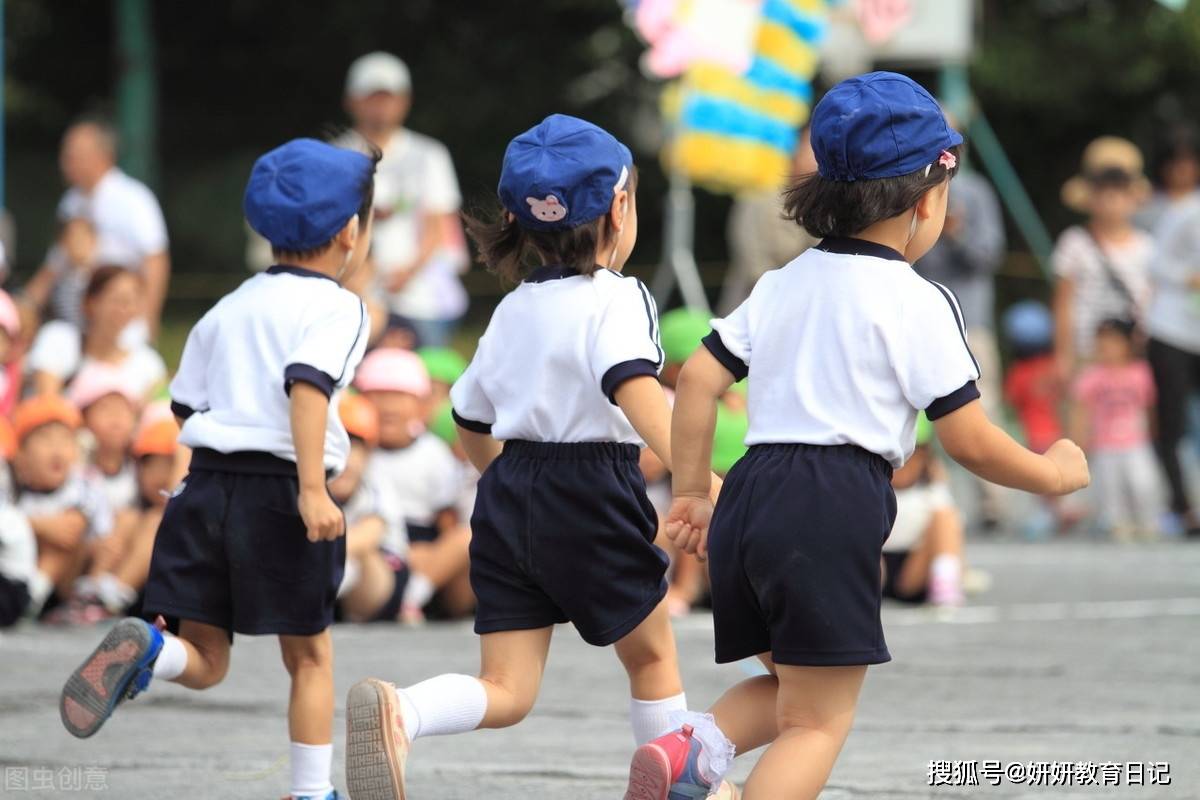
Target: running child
[(251, 541), (566, 376), (842, 347)]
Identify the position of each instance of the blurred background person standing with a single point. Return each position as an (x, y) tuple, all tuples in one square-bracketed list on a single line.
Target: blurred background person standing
[(127, 221), (417, 248), (965, 260)]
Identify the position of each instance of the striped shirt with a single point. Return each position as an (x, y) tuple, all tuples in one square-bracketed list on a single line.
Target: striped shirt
[(1098, 296)]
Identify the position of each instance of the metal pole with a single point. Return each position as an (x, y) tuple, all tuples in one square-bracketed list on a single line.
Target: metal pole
[(679, 258), (137, 92)]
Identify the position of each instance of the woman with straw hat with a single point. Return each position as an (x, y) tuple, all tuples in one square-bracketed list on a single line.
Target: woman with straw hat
[(1102, 266)]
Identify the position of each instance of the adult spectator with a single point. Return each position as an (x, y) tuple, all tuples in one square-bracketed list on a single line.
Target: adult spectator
[(128, 222), (965, 260), (1173, 321), (760, 237), (1177, 176), (417, 247), (60, 350)]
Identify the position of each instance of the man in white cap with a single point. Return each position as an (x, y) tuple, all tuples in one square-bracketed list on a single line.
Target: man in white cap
[(418, 247)]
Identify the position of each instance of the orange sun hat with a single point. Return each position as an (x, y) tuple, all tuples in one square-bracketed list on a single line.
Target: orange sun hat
[(42, 410), (158, 432)]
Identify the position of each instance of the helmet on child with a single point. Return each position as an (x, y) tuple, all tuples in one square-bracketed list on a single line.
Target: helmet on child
[(1028, 325)]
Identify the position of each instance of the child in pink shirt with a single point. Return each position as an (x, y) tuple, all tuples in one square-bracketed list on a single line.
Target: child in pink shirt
[(1113, 398)]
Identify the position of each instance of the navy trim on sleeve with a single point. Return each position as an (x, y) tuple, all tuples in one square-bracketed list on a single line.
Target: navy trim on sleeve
[(737, 368), (470, 424), (619, 373), (953, 401), (307, 374), (180, 410)]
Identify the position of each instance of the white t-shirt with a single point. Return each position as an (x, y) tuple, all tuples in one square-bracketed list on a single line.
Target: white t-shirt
[(58, 350), (371, 501), (843, 346), (128, 220), (78, 493), (1077, 256), (120, 490), (1174, 315), (915, 507), (555, 351), (18, 545), (416, 178), (422, 479), (280, 326)]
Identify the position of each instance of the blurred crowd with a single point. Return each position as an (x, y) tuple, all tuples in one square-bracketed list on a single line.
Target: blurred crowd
[(89, 442)]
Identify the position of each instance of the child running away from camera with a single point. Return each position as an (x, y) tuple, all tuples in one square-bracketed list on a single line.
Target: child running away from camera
[(843, 346), (566, 376), (251, 541)]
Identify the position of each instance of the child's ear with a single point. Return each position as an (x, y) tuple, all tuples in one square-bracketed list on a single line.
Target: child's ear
[(347, 237), (930, 201), (619, 208)]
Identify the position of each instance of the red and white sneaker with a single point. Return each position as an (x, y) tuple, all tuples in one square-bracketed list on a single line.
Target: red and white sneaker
[(667, 769), (376, 742)]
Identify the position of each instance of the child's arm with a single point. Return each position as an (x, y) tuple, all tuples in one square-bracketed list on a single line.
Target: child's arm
[(986, 450), (644, 403), (309, 411), (481, 448), (63, 530), (701, 383)]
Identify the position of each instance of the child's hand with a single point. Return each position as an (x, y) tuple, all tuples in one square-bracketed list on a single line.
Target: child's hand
[(321, 515), (687, 524), (1071, 464)]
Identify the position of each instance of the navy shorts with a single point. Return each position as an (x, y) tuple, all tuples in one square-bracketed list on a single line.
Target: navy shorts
[(565, 532), (893, 563), (794, 553), (232, 551)]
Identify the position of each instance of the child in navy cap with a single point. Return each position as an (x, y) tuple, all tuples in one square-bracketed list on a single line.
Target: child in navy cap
[(251, 541), (843, 346), (566, 376)]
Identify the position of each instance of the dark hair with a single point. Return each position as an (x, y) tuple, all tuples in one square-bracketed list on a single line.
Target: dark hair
[(1177, 141), (1122, 327), (825, 207), (102, 277), (508, 249), (367, 190)]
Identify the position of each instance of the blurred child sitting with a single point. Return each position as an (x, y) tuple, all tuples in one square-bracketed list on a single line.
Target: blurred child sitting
[(10, 362), (923, 556), (376, 578), (67, 512), (121, 561), (110, 418), (1113, 398), (418, 471), (442, 425)]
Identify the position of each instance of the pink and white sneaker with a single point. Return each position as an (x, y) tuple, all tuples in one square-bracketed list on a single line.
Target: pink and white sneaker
[(377, 744)]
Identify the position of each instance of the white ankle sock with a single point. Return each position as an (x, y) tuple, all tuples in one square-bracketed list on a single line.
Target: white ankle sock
[(113, 593), (652, 718), (312, 768), (350, 577), (418, 591), (442, 705), (172, 659), (946, 567)]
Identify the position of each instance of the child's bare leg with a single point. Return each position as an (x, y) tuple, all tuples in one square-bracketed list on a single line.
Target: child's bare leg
[(746, 712), (942, 538), (374, 586), (111, 549), (134, 568), (814, 712), (649, 657), (444, 558), (457, 597), (207, 648), (511, 673), (309, 660)]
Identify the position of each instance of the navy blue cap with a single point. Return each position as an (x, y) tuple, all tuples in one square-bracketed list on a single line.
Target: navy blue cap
[(302, 193), (562, 173), (878, 125)]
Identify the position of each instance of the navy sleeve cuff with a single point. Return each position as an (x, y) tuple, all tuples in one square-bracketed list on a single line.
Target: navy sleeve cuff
[(309, 375), (619, 373), (180, 410), (953, 401), (737, 368), (470, 424)]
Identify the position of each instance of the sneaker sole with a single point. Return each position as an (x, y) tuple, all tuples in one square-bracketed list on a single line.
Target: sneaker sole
[(374, 770), (93, 690), (649, 774)]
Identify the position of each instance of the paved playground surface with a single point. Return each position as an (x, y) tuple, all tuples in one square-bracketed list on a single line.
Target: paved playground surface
[(1080, 652)]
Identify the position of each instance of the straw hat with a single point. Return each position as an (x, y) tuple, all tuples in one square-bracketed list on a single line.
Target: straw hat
[(1105, 156)]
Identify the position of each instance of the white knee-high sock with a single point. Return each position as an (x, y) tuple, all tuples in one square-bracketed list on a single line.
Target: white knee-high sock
[(652, 718), (312, 769), (442, 705), (172, 659)]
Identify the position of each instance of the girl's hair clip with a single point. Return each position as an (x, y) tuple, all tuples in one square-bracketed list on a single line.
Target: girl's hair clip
[(948, 160)]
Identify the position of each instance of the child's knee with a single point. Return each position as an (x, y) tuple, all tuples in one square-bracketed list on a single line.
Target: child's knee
[(305, 653), (213, 666), (509, 701)]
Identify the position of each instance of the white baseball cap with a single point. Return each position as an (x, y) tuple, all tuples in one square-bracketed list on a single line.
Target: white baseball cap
[(377, 72)]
